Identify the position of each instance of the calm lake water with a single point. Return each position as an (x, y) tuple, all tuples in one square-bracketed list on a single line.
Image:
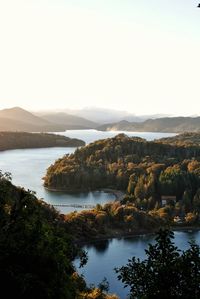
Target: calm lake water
[(28, 166), (93, 135), (104, 256)]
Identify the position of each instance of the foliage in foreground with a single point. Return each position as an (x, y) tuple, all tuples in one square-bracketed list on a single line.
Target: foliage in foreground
[(36, 250), (166, 273)]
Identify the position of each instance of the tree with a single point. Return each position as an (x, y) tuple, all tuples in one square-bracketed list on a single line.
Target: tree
[(196, 200), (140, 191), (36, 250), (187, 201), (132, 183), (165, 273)]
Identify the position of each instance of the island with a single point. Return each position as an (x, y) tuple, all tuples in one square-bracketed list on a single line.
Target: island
[(22, 140)]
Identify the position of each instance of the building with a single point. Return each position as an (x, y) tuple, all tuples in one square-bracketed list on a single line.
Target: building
[(178, 220), (165, 199)]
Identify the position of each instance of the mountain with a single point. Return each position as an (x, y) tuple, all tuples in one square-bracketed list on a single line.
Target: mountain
[(103, 115), (166, 124), (18, 119), (69, 120), (21, 115), (92, 116)]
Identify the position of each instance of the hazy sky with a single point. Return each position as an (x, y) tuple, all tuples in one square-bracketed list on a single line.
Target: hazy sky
[(142, 56)]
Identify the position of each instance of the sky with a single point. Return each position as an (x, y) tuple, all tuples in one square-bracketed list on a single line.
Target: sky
[(141, 56)]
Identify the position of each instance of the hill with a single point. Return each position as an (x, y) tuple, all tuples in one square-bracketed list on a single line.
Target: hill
[(18, 140), (105, 115), (166, 124), (124, 163), (70, 121), (18, 119), (19, 114), (184, 139)]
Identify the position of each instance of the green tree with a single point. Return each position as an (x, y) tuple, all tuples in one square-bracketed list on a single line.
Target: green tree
[(187, 201), (196, 201), (36, 251)]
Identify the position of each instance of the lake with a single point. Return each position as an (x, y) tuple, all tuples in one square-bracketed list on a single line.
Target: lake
[(28, 166), (93, 135), (104, 256)]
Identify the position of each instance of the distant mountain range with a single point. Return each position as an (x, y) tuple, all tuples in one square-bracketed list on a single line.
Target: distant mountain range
[(166, 124), (18, 119), (103, 115), (99, 115), (69, 120)]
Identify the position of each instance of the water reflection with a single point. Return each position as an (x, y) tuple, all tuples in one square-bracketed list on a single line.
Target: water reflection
[(116, 252), (28, 166), (98, 246)]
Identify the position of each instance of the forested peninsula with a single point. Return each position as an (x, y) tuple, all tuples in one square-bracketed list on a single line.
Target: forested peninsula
[(129, 164), (160, 179), (22, 140)]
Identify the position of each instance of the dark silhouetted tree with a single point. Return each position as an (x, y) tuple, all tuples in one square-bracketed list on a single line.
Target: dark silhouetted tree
[(166, 273)]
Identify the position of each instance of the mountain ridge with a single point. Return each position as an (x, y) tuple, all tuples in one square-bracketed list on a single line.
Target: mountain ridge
[(69, 119), (166, 124), (19, 119)]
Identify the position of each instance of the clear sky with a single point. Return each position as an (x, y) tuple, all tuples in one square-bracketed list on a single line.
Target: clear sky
[(142, 56)]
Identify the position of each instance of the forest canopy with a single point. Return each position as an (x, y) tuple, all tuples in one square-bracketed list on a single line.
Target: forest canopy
[(147, 171), (120, 161)]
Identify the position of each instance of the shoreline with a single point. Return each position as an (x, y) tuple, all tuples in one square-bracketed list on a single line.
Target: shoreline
[(186, 228), (115, 236), (117, 193), (139, 233), (42, 147), (118, 234)]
